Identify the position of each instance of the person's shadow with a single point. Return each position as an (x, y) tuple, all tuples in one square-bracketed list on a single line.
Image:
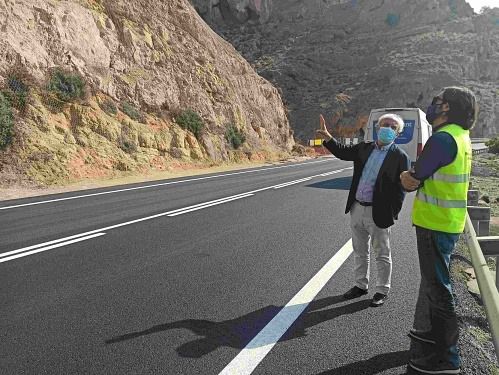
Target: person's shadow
[(341, 183), (238, 332), (374, 365)]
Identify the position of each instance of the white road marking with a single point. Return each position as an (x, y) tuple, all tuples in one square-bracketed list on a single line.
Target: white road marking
[(332, 172), (206, 203), (292, 183), (251, 356), (6, 259), (156, 185), (41, 245), (172, 213), (210, 205)]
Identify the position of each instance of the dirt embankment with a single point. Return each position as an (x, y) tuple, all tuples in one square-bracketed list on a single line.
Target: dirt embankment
[(101, 88)]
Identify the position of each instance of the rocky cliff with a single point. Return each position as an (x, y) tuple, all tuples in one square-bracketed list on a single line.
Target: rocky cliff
[(95, 86), (344, 57)]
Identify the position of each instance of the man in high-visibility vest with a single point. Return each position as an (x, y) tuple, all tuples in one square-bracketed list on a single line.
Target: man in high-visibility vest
[(441, 177)]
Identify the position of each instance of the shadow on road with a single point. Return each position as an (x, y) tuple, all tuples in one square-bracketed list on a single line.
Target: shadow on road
[(238, 332), (341, 183), (374, 365)]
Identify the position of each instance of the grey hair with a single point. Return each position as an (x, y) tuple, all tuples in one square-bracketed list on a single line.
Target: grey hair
[(399, 120)]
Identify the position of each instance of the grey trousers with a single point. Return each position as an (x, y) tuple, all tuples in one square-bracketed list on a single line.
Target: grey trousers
[(366, 235)]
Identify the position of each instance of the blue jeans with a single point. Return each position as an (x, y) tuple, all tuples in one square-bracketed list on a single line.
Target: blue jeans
[(435, 249)]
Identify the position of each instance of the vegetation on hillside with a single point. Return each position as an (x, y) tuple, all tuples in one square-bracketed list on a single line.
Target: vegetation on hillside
[(191, 121), (234, 136)]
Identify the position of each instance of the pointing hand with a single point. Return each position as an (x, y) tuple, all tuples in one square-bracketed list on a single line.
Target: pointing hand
[(322, 132)]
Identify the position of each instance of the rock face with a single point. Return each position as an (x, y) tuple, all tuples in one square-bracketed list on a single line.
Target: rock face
[(158, 56), (379, 53), (233, 12)]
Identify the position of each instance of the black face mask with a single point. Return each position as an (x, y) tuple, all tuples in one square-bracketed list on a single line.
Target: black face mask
[(433, 111)]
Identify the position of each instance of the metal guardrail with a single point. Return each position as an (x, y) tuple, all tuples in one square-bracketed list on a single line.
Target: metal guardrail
[(480, 151), (479, 140), (488, 291)]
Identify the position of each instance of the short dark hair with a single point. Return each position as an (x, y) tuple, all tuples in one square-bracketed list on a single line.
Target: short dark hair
[(463, 108)]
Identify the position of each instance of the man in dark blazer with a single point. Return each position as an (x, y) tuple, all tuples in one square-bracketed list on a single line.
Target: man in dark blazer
[(374, 201)]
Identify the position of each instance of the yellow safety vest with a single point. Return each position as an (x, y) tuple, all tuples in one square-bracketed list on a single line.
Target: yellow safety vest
[(440, 204)]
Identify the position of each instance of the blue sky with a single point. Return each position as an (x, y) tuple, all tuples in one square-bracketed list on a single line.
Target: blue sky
[(478, 4)]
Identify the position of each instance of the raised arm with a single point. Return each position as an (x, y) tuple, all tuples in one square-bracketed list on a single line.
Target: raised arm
[(342, 152)]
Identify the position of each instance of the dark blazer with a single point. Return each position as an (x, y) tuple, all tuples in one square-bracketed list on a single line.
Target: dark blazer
[(388, 192)]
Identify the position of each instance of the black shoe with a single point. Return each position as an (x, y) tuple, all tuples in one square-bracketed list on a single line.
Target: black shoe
[(433, 365), (355, 292), (378, 299), (423, 336)]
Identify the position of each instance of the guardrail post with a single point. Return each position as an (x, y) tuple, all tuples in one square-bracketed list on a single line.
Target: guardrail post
[(480, 218), (473, 197), (490, 248)]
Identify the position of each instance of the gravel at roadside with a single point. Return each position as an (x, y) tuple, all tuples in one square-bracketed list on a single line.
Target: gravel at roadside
[(475, 344)]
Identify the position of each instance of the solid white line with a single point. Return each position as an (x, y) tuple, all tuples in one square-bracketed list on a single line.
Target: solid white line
[(210, 205), (156, 185), (2, 260), (169, 213), (249, 358), (41, 245)]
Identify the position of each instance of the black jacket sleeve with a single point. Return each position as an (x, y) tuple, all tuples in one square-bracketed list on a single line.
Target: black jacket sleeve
[(404, 165), (343, 152)]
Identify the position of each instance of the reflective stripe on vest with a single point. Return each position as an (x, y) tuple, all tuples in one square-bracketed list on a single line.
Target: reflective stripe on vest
[(445, 203), (457, 178)]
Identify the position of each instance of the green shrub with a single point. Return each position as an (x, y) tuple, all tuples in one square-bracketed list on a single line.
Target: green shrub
[(19, 92), (6, 121), (109, 107), (191, 121), (235, 137), (493, 145), (127, 145), (131, 111), (67, 86)]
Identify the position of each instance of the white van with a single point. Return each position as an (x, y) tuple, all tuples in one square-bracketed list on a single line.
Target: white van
[(416, 132)]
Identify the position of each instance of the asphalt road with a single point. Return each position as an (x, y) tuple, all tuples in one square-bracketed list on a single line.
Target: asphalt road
[(152, 282)]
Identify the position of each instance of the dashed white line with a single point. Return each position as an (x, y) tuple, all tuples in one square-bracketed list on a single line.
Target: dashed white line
[(186, 210), (156, 185), (292, 183), (88, 235), (251, 356)]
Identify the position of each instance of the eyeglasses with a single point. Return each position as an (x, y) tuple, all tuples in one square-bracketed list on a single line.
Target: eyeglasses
[(438, 98)]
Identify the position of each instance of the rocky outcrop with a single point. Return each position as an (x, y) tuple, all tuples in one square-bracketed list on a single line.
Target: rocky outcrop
[(223, 12), (157, 56), (379, 53)]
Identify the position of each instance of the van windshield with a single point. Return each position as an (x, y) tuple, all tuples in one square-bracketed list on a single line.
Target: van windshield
[(403, 138)]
